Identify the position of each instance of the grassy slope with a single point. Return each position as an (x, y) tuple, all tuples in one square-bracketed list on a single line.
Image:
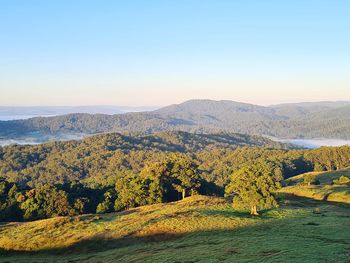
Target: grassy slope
[(197, 229), (324, 191)]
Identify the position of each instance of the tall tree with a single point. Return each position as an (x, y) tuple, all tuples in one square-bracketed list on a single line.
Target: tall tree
[(133, 190), (253, 186), (178, 172)]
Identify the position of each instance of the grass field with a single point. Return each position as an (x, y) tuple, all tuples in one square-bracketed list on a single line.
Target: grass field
[(197, 229), (325, 191)]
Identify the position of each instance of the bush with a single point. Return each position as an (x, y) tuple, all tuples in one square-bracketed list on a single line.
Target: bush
[(311, 180), (342, 180)]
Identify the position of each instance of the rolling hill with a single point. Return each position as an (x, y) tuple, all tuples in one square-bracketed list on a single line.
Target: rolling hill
[(198, 227), (306, 120), (104, 156), (305, 227), (326, 190)]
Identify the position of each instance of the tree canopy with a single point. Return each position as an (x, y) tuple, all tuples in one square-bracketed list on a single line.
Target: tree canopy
[(111, 172), (254, 186)]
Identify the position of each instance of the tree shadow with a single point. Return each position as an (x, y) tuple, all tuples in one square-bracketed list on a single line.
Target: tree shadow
[(177, 241), (259, 229), (311, 202)]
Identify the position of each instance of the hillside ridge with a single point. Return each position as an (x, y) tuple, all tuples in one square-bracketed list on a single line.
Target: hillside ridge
[(327, 120)]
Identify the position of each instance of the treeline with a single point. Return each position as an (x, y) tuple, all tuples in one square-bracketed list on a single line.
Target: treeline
[(168, 180), (112, 172)]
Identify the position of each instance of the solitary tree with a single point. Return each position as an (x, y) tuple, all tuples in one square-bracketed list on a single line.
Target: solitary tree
[(310, 179), (253, 186)]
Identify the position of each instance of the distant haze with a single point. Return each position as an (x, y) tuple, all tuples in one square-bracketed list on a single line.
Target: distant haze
[(17, 113), (305, 123), (316, 143)]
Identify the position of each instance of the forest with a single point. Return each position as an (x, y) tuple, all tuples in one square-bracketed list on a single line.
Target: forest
[(114, 172), (303, 120)]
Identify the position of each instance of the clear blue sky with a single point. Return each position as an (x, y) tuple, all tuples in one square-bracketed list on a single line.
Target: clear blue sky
[(156, 52)]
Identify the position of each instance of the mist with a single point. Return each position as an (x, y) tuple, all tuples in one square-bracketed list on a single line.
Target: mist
[(315, 143), (40, 139)]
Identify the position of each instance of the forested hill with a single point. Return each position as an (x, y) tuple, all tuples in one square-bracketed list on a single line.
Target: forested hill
[(303, 120), (163, 141), (112, 172), (109, 155)]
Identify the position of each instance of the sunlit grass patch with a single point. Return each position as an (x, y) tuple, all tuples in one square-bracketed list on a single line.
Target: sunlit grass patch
[(326, 191), (205, 228)]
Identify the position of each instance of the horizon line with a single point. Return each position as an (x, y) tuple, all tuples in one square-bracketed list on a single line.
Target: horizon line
[(175, 103)]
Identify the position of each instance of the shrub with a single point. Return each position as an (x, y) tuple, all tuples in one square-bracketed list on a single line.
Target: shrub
[(342, 180), (311, 180)]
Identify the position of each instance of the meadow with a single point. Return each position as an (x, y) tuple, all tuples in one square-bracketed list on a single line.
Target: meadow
[(326, 190), (197, 229), (311, 224)]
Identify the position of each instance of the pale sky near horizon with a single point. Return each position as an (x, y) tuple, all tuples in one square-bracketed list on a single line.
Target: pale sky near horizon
[(158, 52)]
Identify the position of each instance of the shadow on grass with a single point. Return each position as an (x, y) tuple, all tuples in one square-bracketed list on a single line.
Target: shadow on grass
[(264, 230), (328, 176), (101, 243), (266, 237), (98, 243), (301, 201)]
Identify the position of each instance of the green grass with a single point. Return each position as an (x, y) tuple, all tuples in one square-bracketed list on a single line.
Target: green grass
[(197, 229), (323, 177), (324, 191)]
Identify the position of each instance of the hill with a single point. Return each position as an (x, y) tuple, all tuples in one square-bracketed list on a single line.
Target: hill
[(101, 158), (325, 190), (305, 120), (112, 172), (12, 113), (295, 110), (197, 227), (120, 178)]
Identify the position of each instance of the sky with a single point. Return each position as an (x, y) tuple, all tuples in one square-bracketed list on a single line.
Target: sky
[(159, 52)]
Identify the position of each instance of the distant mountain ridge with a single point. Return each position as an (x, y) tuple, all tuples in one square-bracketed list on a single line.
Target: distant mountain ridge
[(300, 120), (26, 112)]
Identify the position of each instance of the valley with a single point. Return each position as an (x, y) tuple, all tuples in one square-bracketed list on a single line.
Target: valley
[(126, 197), (329, 120), (183, 131)]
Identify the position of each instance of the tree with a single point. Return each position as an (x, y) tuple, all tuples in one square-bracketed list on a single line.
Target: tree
[(133, 190), (186, 175), (9, 208), (177, 172), (106, 205), (342, 180), (310, 179), (253, 186), (44, 202), (80, 205)]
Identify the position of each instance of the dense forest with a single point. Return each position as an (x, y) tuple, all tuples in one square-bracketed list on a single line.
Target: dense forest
[(313, 120), (112, 172)]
